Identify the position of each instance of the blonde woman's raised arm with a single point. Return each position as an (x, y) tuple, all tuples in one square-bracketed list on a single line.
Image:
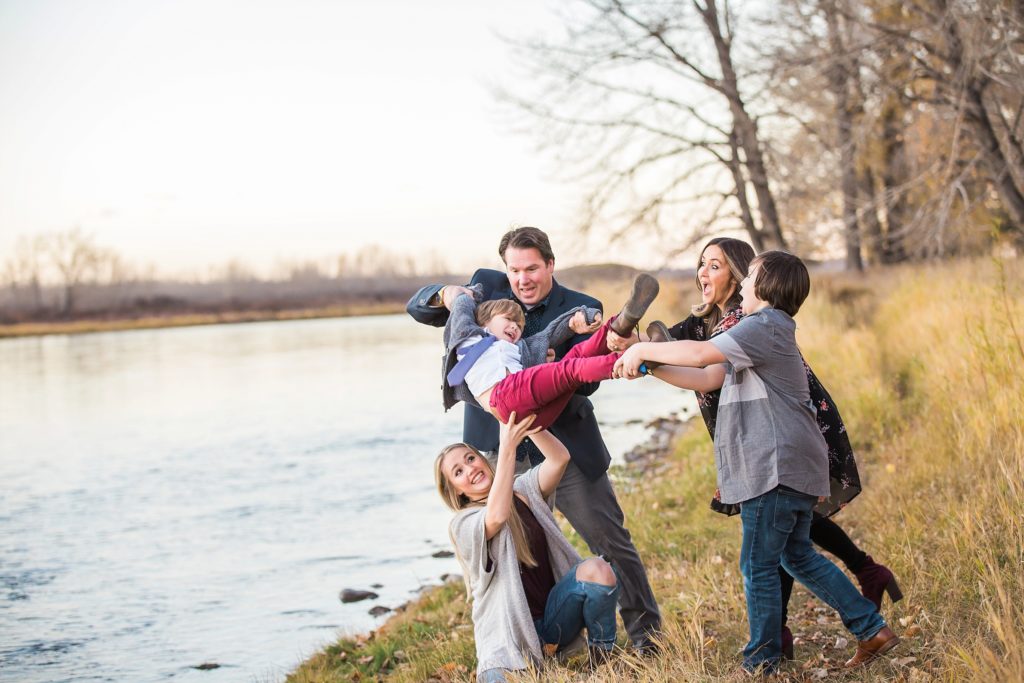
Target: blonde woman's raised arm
[(499, 498), (556, 457)]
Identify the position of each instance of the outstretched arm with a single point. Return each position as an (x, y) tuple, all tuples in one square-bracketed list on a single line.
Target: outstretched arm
[(431, 304), (499, 499), (692, 354), (703, 380), (534, 349), (462, 322), (556, 458)]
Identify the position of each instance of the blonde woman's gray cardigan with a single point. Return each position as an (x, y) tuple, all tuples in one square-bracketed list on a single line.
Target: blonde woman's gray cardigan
[(502, 626)]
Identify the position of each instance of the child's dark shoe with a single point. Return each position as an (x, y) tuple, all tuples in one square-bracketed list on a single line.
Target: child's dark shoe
[(657, 331), (645, 288)]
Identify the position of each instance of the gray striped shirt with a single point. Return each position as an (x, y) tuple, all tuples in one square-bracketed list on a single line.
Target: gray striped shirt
[(766, 433)]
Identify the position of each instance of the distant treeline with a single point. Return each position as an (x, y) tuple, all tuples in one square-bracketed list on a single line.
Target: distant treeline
[(69, 277)]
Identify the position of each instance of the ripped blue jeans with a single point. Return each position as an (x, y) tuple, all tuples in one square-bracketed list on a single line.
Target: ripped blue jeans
[(574, 604)]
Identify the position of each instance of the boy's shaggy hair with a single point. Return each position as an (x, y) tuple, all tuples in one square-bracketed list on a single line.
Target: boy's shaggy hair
[(506, 307), (782, 280)]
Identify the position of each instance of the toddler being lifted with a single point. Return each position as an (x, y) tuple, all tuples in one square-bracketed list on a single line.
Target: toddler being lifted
[(490, 363)]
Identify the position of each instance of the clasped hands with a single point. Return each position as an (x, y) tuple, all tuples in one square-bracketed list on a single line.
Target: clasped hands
[(628, 365)]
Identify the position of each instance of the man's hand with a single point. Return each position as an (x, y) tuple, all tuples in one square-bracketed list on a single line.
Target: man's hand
[(550, 357), (617, 343), (578, 323), (450, 292)]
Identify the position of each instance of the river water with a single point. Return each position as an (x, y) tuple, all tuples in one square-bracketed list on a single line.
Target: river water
[(175, 497)]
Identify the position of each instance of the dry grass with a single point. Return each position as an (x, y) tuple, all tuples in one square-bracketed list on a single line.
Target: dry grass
[(927, 364)]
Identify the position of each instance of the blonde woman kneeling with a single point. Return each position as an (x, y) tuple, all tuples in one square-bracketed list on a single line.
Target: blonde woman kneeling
[(532, 593)]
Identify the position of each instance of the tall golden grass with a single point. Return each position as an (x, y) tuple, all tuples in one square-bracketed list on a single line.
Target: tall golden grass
[(927, 366)]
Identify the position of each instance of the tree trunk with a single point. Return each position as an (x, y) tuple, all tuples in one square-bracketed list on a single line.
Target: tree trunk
[(996, 163), (746, 131), (756, 238), (37, 294), (871, 224), (69, 301), (894, 180), (838, 81), (994, 160)]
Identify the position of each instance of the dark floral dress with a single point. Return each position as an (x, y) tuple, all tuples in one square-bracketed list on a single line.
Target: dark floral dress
[(842, 466)]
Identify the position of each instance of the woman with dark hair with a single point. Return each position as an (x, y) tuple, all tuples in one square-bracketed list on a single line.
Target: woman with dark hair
[(722, 265)]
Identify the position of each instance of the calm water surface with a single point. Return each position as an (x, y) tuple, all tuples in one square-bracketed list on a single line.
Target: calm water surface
[(181, 496)]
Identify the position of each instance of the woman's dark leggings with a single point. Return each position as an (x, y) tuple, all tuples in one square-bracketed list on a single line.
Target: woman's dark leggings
[(827, 535)]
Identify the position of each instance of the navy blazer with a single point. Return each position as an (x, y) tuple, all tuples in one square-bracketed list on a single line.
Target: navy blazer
[(576, 427)]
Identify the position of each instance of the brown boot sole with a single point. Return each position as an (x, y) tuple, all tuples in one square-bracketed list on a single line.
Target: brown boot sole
[(645, 289)]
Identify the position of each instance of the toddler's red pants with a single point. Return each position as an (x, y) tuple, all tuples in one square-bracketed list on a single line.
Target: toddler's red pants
[(544, 390)]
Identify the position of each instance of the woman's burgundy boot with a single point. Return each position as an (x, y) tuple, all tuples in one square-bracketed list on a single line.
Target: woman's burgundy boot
[(875, 579), (787, 643)]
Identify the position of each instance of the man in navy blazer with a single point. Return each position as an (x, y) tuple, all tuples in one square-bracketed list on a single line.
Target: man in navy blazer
[(585, 495)]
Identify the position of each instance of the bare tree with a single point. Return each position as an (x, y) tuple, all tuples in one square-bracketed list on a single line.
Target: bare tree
[(815, 62), (74, 256), (24, 269), (841, 76), (967, 57), (646, 104), (912, 162)]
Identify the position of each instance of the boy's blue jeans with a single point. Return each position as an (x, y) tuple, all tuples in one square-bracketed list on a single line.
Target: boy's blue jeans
[(573, 604), (776, 528)]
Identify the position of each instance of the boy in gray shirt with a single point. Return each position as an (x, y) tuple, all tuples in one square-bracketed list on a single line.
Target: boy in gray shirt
[(770, 455)]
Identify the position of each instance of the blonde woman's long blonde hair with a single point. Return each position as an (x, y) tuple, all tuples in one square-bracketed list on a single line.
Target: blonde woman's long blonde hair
[(738, 255), (457, 501)]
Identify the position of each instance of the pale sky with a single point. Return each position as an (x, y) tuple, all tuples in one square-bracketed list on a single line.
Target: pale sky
[(188, 133)]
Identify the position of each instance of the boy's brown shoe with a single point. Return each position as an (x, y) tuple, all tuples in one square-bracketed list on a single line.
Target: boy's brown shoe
[(874, 647)]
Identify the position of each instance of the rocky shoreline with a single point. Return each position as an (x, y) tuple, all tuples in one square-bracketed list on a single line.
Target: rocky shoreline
[(651, 455)]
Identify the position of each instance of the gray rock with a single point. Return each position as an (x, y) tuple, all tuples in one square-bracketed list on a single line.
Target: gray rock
[(350, 595), (206, 666), (378, 610), (443, 553)]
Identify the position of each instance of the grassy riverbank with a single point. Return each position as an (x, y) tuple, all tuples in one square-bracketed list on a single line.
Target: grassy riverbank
[(927, 365)]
